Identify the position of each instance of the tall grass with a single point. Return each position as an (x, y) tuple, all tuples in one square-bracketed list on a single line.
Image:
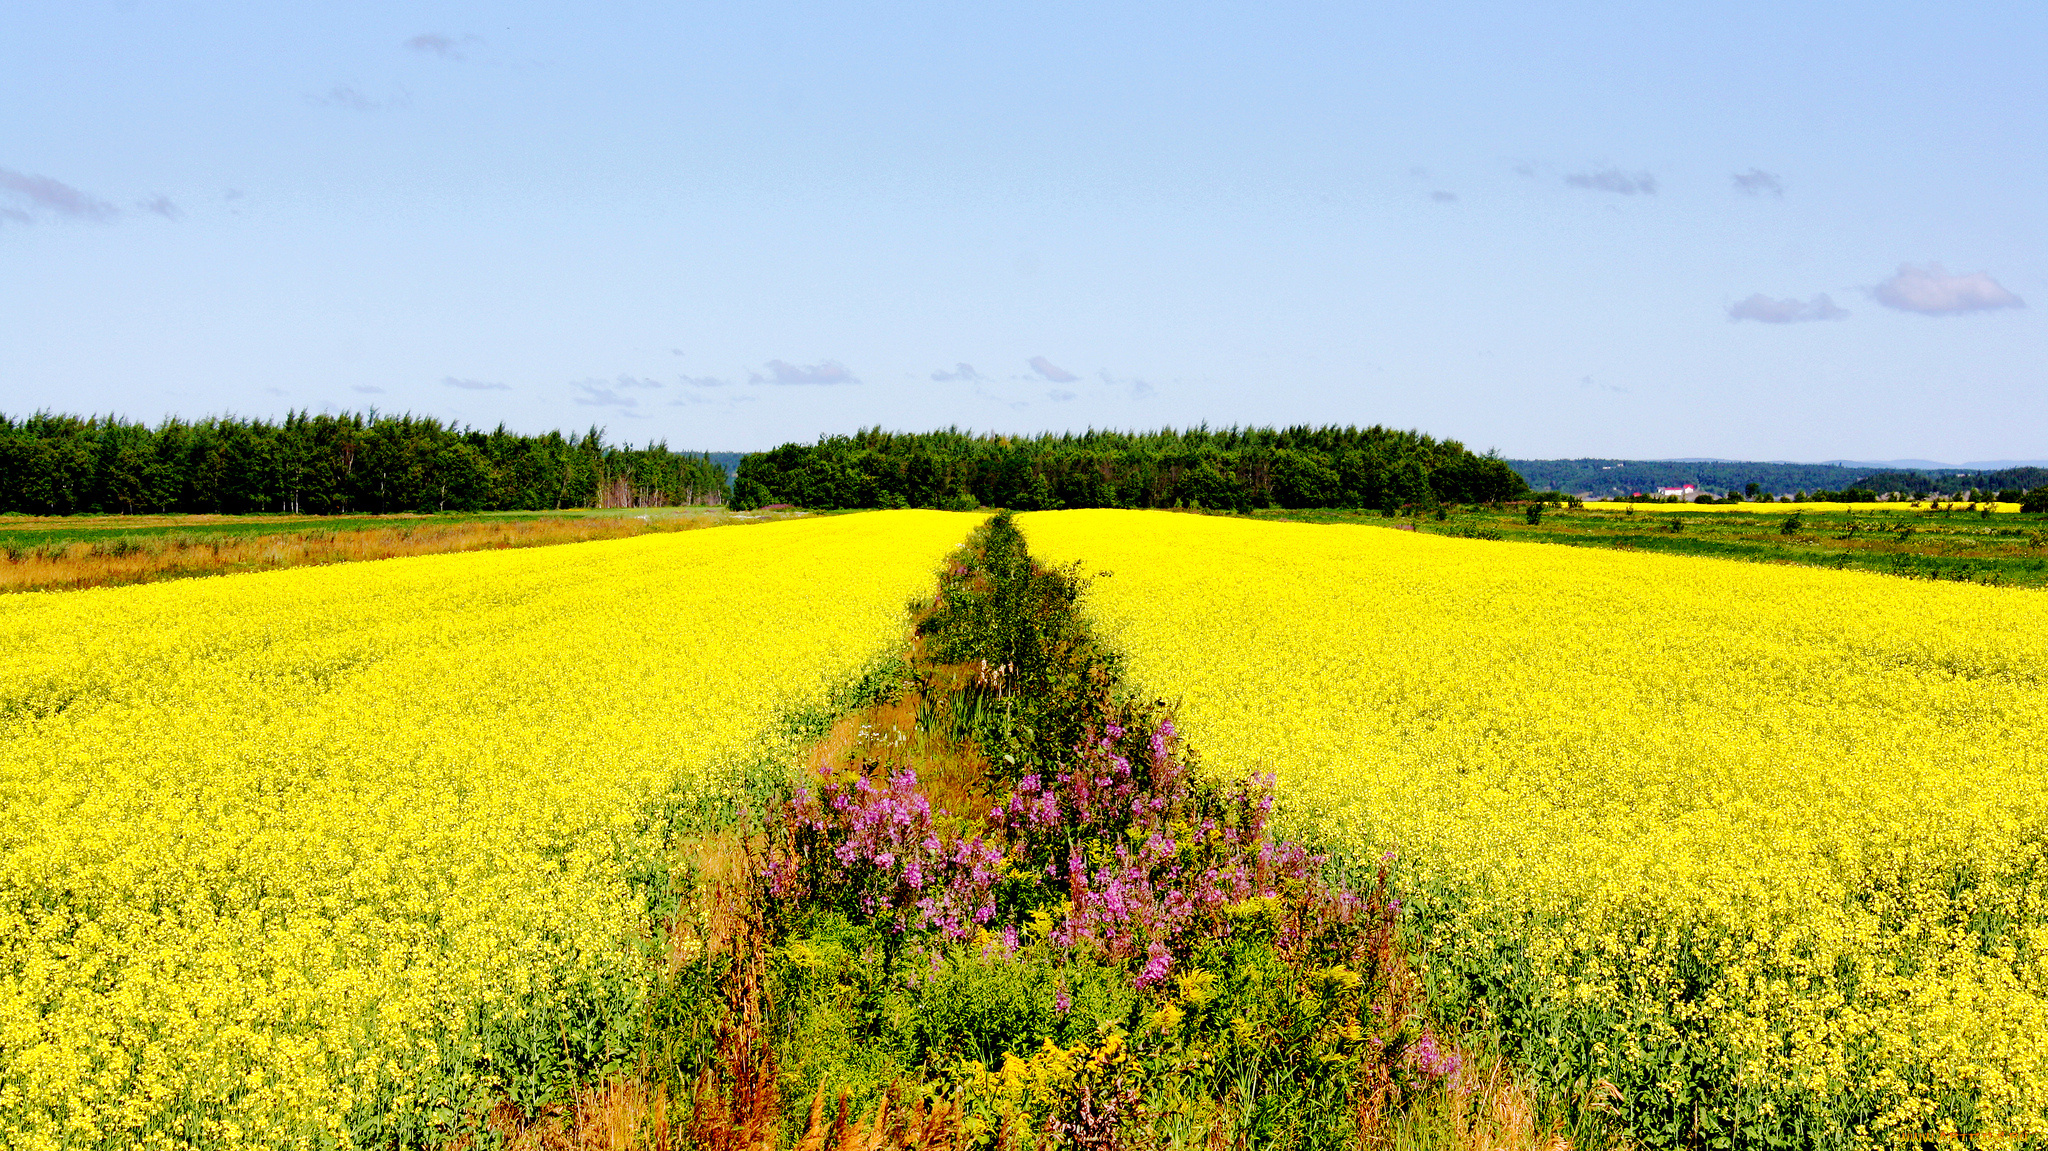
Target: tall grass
[(65, 565)]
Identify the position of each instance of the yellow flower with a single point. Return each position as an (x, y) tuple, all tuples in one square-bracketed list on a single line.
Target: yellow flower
[(1786, 820), (278, 851)]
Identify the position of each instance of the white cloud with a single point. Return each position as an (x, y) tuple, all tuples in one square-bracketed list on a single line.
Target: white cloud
[(1136, 388), (446, 47), (42, 194), (596, 395), (779, 372), (1757, 182), (727, 400), (1051, 371), (1614, 180), (1931, 291), (344, 96), (1766, 310), (963, 373), (474, 385)]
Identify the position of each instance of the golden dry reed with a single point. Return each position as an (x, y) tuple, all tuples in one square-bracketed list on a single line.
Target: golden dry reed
[(291, 857), (148, 558), (1760, 846)]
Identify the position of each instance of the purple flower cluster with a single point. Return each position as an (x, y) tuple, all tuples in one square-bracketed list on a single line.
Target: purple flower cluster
[(1432, 1059), (876, 852), (1147, 861)]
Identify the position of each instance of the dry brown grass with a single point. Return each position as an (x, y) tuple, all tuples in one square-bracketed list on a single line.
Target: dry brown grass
[(920, 1126), (620, 1116), (886, 737), (146, 559), (1487, 1107)]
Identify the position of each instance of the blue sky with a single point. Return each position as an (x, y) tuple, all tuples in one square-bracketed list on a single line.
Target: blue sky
[(1746, 230)]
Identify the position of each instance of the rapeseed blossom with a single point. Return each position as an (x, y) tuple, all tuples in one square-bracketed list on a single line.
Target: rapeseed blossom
[(1762, 846), (306, 858)]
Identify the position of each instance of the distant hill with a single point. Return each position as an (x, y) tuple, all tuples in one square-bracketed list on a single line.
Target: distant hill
[(1932, 466), (1610, 478), (730, 461)]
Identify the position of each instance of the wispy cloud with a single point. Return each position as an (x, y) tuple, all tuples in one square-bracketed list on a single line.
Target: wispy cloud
[(1443, 197), (704, 382), (345, 96), (1051, 371), (828, 372), (713, 400), (961, 373), (625, 381), (1614, 180), (162, 206), (368, 389), (446, 47), (1059, 395), (31, 195), (597, 395), (1757, 182), (1136, 388), (475, 385), (1765, 310), (1931, 291), (723, 399)]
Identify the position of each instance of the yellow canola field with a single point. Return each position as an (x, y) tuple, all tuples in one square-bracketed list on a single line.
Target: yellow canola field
[(315, 857), (1761, 846)]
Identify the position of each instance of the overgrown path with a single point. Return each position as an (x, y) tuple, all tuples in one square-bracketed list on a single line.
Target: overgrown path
[(1003, 908)]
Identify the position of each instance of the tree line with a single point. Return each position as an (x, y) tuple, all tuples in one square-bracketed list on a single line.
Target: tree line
[(331, 464), (1233, 468)]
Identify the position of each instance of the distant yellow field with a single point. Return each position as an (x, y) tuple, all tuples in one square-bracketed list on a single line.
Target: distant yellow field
[(1766, 847), (1787, 508), (284, 858)]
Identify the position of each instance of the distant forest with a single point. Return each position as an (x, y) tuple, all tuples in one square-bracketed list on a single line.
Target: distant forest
[(1620, 478), (329, 464), (1232, 468)]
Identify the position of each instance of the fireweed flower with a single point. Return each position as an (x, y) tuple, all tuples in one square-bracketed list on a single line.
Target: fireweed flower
[(1099, 832)]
